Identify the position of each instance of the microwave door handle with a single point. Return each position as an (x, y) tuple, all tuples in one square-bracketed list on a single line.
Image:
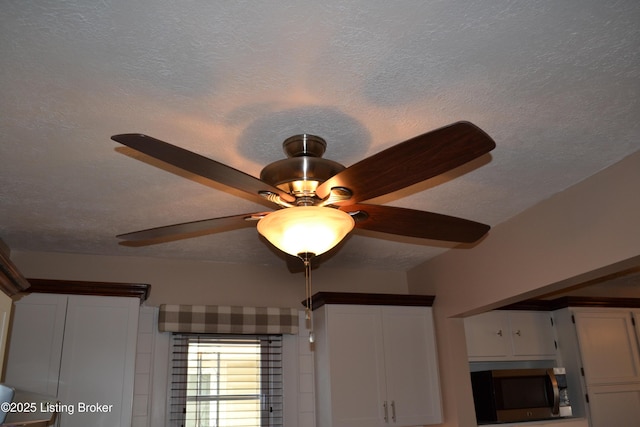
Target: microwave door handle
[(556, 392)]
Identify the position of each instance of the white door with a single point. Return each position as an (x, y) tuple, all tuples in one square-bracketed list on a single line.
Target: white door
[(413, 388), (488, 335), (356, 365), (98, 358), (33, 361), (531, 333), (608, 346)]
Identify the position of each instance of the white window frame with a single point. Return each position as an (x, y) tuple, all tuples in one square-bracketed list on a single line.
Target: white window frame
[(272, 411)]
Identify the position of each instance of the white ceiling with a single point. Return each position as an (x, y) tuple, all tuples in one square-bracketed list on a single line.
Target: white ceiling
[(555, 83)]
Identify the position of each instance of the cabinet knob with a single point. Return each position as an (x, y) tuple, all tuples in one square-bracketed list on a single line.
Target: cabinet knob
[(499, 332), (518, 332)]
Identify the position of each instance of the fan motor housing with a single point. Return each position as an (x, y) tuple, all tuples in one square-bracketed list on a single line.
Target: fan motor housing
[(304, 169)]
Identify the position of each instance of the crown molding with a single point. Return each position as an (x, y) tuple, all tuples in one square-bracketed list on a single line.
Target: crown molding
[(573, 301), (321, 298), (138, 290), (12, 282)]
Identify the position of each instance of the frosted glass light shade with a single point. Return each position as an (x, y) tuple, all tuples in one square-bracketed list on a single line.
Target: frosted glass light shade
[(306, 229)]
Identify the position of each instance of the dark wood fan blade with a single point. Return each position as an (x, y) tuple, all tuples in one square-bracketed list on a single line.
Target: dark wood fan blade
[(413, 223), (410, 162), (186, 230), (197, 164)]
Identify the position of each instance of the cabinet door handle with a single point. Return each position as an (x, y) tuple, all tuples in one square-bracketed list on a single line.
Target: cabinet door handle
[(518, 332), (393, 410), (386, 412), (499, 332)]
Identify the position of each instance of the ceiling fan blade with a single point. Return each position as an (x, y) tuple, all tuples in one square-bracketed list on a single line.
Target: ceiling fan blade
[(197, 164), (186, 230), (410, 162), (414, 223)]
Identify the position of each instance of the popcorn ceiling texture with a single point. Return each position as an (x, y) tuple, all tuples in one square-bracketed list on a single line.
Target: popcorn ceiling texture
[(555, 84)]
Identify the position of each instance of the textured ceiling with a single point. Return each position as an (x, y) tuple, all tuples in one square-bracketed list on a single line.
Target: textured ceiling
[(556, 84)]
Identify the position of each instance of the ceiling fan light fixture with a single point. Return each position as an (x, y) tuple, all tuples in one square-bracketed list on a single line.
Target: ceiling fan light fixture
[(306, 229)]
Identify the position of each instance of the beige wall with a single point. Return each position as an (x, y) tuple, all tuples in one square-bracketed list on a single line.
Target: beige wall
[(192, 282), (589, 230)]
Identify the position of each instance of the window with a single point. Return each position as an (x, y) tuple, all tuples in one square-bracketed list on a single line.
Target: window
[(226, 381)]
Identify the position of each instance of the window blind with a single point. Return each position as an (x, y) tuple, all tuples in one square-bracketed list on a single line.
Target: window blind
[(226, 380)]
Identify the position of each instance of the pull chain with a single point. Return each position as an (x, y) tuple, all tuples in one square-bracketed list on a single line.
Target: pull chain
[(309, 309)]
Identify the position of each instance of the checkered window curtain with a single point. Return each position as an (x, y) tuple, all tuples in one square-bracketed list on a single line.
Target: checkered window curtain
[(226, 380), (227, 319)]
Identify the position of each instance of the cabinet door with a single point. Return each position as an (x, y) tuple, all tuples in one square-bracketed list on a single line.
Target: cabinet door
[(617, 406), (356, 366), (531, 333), (608, 346), (487, 335), (33, 362), (98, 360), (413, 389), (6, 306)]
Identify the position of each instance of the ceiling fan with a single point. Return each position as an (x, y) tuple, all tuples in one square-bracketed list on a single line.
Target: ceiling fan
[(307, 186)]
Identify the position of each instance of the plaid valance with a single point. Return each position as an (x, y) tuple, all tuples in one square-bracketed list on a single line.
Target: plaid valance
[(216, 319)]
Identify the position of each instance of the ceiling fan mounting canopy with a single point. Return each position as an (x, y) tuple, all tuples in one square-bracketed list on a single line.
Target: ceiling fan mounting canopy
[(304, 145), (305, 178)]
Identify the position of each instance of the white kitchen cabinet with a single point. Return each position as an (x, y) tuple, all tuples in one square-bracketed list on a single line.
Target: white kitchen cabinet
[(411, 366), (510, 335), (617, 405), (376, 366), (608, 346), (487, 335), (610, 361), (35, 346), (80, 349)]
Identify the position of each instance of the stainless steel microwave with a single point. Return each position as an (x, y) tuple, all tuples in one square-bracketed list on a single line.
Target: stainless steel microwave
[(512, 395)]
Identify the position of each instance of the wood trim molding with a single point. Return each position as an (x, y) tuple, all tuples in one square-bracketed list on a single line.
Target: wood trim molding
[(111, 289), (569, 301), (322, 298), (12, 282), (530, 304), (564, 302)]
